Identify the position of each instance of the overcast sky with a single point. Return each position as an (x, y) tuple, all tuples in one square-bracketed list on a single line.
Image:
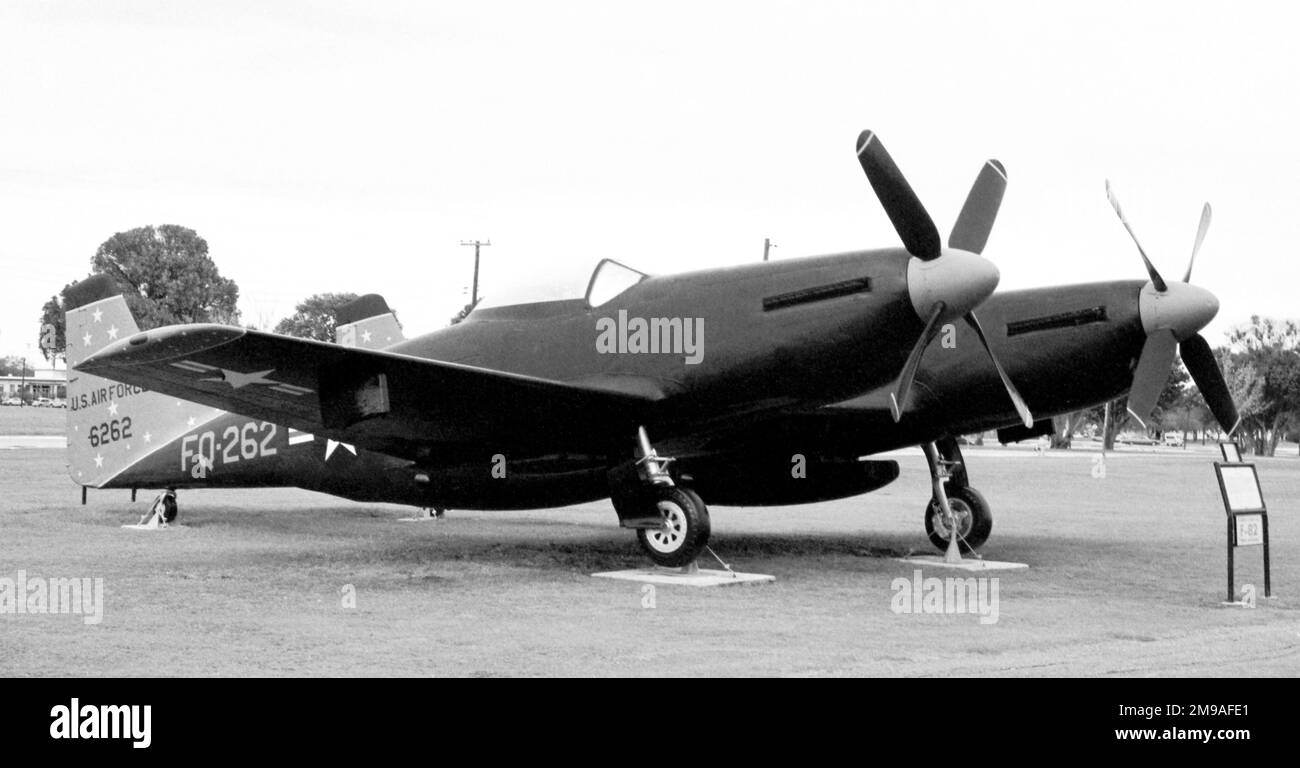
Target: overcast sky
[(351, 146)]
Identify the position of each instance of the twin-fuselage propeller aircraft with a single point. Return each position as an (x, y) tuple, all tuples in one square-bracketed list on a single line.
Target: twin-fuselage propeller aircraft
[(759, 384)]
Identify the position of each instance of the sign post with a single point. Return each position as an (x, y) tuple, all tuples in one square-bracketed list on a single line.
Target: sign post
[(1247, 514)]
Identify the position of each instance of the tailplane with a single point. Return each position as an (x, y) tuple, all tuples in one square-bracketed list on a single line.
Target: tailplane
[(367, 323)]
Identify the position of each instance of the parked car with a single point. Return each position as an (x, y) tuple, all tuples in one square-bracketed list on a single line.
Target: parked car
[(1174, 439), (43, 402), (13, 401)]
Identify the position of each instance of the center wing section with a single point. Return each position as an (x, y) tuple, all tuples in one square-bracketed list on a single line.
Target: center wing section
[(397, 404)]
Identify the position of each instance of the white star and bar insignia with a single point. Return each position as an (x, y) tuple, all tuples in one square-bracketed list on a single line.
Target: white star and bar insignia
[(332, 445), (240, 379)]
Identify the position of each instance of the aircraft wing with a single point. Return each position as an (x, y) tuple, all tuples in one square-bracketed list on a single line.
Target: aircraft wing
[(383, 401)]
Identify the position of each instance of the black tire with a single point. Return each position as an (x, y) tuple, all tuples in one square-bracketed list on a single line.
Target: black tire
[(686, 527), (975, 520), (170, 509)]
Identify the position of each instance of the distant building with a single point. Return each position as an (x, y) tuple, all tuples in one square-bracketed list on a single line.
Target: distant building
[(43, 383)]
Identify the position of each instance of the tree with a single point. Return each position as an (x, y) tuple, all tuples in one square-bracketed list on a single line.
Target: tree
[(1064, 426), (315, 317), (464, 312), (1244, 382), (14, 366), (1171, 397), (1262, 368), (51, 339), (165, 274), (168, 277), (1110, 422)]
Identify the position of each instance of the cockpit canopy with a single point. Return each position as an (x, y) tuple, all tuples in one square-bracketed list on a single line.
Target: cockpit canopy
[(608, 280)]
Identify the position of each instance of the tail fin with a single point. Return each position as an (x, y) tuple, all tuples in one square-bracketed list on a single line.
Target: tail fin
[(113, 426), (367, 323)]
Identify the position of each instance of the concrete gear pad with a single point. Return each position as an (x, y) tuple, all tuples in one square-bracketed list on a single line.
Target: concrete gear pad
[(967, 564), (703, 577)]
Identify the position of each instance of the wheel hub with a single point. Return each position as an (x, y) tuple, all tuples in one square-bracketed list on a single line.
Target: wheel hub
[(960, 511), (672, 530)]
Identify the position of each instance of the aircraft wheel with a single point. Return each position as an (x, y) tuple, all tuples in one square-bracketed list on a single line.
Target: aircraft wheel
[(684, 531), (974, 520), (170, 509)]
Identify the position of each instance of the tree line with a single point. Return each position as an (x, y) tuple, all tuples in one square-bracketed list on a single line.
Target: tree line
[(168, 277), (1261, 365)]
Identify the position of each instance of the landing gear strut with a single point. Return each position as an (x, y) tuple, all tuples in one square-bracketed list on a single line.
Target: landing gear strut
[(671, 521), (967, 512)]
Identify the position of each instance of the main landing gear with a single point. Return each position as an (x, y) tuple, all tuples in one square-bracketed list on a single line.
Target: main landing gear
[(671, 521), (967, 511), (683, 529)]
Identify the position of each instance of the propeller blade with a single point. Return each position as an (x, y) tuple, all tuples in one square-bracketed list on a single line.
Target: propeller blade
[(1156, 279), (1016, 399), (1200, 237), (914, 225), (1205, 372), (898, 398), (975, 221), (1151, 374)]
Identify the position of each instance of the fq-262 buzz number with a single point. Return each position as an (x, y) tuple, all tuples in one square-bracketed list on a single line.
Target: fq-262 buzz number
[(251, 440)]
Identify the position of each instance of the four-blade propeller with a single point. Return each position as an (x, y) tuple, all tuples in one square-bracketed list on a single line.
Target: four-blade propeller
[(944, 283), (1172, 313)]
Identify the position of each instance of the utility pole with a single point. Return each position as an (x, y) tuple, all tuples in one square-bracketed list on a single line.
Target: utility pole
[(768, 245), (473, 298)]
